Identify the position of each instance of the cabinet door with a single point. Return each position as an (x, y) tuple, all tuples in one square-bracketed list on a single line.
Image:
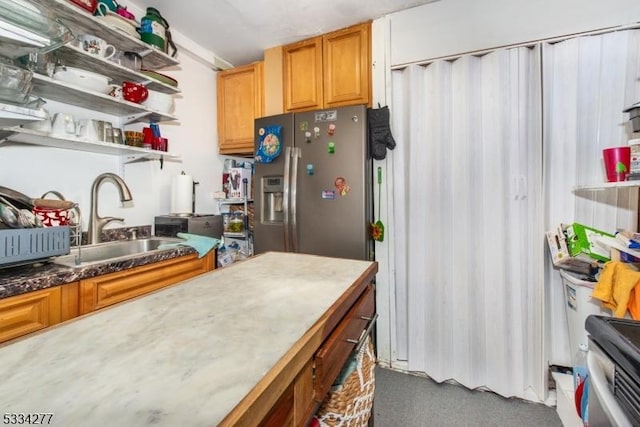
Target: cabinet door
[(30, 312), (240, 102), (102, 291), (302, 73), (347, 66)]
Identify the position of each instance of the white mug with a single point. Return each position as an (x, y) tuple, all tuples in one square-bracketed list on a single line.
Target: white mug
[(95, 130), (116, 92), (96, 46), (103, 9), (87, 128), (63, 124)]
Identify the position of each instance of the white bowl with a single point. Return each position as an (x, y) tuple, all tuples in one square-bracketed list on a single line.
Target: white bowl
[(162, 102), (83, 78), (123, 24)]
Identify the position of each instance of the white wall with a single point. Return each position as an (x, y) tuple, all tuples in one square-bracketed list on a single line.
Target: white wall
[(34, 170), (448, 27)]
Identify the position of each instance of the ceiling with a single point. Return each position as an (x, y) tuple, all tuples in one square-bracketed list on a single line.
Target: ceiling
[(239, 31)]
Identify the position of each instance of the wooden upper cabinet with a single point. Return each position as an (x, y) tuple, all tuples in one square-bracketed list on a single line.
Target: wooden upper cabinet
[(347, 66), (328, 71), (302, 73), (240, 102)]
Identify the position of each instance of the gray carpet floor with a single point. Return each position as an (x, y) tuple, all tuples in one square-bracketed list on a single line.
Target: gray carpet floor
[(410, 401)]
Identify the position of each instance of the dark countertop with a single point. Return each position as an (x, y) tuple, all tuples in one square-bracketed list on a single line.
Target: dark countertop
[(27, 278)]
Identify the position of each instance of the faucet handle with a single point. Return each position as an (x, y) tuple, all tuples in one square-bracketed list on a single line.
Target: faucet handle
[(133, 233), (106, 219)]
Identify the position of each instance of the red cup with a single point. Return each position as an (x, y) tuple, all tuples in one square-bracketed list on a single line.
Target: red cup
[(617, 161), (159, 143), (134, 92), (148, 136)]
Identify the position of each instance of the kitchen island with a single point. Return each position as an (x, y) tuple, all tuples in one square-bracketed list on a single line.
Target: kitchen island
[(221, 348)]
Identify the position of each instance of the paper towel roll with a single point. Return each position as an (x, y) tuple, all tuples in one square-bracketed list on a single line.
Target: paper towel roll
[(181, 194)]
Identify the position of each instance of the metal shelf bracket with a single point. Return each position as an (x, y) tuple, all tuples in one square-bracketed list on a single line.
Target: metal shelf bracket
[(132, 118)]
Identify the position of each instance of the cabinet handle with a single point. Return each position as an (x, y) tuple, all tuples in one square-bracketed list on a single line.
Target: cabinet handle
[(367, 318), (364, 334)]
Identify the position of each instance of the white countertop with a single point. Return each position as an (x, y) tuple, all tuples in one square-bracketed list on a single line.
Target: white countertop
[(185, 355)]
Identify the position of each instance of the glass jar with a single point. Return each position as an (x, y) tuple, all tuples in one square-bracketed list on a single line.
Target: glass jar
[(236, 223), (226, 218)]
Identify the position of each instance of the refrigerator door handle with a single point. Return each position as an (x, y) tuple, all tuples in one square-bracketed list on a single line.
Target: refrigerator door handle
[(296, 154), (285, 198)]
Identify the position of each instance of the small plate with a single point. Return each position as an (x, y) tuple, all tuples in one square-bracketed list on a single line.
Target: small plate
[(162, 78)]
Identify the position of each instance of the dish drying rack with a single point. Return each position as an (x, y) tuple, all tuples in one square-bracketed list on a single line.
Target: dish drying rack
[(75, 220)]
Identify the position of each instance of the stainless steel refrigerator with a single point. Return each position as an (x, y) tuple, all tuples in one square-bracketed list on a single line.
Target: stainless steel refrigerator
[(315, 194)]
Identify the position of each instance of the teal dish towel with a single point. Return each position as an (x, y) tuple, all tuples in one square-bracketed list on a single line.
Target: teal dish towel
[(202, 244)]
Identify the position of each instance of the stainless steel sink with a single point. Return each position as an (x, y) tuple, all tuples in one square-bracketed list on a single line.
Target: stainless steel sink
[(113, 251)]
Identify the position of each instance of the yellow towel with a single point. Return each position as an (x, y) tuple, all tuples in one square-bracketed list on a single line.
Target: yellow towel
[(615, 286)]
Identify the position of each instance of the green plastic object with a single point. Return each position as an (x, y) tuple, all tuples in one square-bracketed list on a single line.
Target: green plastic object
[(582, 239), (153, 29)]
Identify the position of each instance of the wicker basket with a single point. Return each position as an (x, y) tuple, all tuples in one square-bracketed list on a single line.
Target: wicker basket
[(350, 404)]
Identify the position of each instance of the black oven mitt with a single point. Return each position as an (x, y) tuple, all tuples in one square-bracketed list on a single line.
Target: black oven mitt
[(380, 137)]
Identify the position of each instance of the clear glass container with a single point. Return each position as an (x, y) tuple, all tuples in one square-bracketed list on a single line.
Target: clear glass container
[(24, 28), (236, 223)]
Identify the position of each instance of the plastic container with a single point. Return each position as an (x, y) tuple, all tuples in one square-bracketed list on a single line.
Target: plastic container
[(579, 305), (153, 29)]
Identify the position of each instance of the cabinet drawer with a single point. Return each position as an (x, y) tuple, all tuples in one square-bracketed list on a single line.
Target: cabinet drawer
[(29, 312), (102, 291), (335, 351)]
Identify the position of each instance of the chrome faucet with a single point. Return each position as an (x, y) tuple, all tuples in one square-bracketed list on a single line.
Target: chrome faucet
[(97, 223)]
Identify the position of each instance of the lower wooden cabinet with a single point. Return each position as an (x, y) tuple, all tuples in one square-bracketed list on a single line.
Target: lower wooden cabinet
[(103, 291), (282, 413), (304, 395), (33, 311)]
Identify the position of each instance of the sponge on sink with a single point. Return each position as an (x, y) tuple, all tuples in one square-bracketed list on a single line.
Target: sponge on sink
[(202, 244)]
